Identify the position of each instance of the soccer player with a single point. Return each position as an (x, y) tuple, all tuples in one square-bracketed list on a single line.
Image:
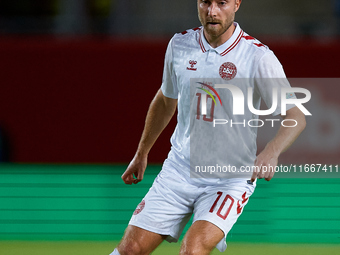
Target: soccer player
[(221, 50)]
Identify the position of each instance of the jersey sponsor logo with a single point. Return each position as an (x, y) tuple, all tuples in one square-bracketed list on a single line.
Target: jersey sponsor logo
[(139, 208), (192, 64), (228, 71)]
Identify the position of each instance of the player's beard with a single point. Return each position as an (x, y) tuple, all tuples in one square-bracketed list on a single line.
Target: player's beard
[(218, 30)]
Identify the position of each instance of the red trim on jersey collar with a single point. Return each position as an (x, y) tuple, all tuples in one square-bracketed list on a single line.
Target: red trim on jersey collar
[(227, 46), (233, 45), (200, 41)]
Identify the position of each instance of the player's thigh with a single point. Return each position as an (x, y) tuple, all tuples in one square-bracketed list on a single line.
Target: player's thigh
[(201, 238), (139, 241), (222, 205)]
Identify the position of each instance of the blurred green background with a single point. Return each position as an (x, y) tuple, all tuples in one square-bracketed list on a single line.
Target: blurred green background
[(84, 209), (90, 248)]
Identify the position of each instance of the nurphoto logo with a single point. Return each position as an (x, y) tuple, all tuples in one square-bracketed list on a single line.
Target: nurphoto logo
[(286, 96)]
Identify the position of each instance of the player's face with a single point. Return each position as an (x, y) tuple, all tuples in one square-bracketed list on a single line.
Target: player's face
[(217, 16)]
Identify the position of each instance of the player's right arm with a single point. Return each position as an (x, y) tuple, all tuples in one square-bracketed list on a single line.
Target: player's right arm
[(160, 112)]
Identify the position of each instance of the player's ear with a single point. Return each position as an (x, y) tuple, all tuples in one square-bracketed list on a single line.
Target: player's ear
[(237, 4)]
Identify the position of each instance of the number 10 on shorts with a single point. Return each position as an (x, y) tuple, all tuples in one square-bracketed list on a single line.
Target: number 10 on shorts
[(227, 200)]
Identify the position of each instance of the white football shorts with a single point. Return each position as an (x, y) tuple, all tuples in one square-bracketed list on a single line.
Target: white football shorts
[(171, 201)]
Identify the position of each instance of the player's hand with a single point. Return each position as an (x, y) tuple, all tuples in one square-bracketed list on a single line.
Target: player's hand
[(135, 171), (265, 163)]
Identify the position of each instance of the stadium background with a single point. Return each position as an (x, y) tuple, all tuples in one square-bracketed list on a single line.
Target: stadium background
[(76, 81)]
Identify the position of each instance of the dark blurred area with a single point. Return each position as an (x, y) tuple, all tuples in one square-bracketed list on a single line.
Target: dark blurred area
[(77, 76), (163, 18), (94, 17), (5, 149)]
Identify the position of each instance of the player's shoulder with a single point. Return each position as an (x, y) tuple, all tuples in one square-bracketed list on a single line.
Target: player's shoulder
[(190, 32), (187, 35), (254, 44)]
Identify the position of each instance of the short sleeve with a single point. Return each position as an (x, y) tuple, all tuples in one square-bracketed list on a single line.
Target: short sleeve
[(270, 74), (169, 85), (269, 67)]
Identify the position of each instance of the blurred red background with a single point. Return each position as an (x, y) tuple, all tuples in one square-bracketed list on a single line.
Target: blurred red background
[(85, 101)]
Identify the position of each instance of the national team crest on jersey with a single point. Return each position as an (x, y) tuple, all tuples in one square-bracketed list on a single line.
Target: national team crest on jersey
[(139, 208), (228, 71)]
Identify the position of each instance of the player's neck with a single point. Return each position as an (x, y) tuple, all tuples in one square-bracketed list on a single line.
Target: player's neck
[(219, 40)]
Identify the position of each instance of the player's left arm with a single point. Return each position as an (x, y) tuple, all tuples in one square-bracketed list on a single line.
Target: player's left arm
[(284, 138)]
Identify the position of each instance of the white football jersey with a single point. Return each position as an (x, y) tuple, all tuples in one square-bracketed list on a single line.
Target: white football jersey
[(190, 62)]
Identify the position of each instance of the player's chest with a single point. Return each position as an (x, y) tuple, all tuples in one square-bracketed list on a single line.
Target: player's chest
[(210, 65)]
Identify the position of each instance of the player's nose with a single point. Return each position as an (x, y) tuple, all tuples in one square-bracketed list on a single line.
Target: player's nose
[(212, 9)]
